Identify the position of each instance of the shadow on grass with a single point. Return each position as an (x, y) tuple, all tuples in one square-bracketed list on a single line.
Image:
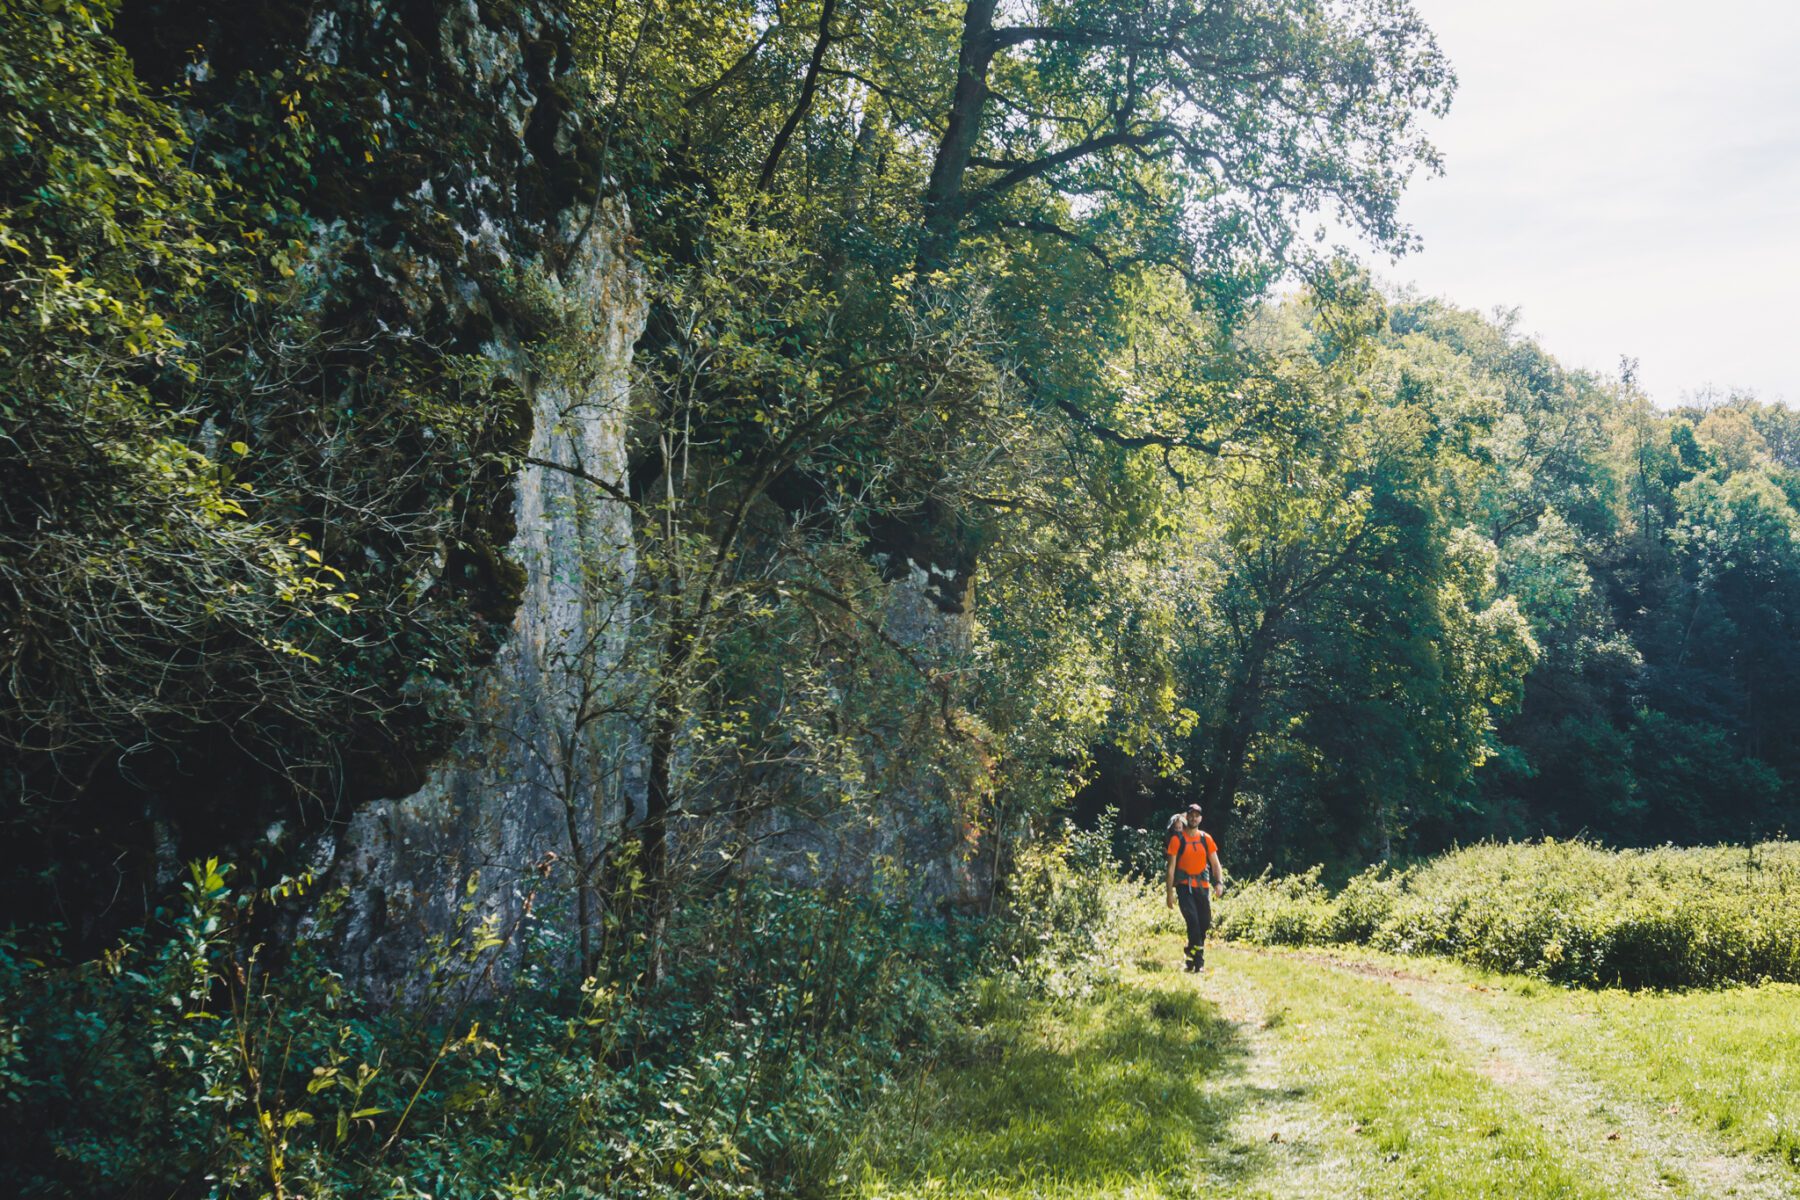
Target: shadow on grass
[(1137, 1088)]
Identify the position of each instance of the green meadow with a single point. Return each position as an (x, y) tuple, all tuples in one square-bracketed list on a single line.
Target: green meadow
[(1293, 1073)]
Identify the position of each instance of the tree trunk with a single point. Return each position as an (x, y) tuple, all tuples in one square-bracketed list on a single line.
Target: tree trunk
[(659, 796), (1242, 708), (944, 198), (1230, 749), (653, 836), (659, 792), (766, 179)]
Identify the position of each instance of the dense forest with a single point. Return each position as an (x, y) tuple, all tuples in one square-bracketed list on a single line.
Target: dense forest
[(993, 438), (1541, 607)]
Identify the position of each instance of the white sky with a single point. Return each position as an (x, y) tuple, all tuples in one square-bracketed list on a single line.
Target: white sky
[(1627, 174)]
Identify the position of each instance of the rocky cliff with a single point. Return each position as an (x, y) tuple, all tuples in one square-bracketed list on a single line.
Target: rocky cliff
[(531, 791), (434, 161), (440, 170)]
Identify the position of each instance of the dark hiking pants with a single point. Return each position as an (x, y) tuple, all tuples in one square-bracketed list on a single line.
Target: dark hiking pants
[(1196, 910)]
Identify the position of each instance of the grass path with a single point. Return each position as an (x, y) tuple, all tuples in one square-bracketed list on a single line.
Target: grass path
[(1647, 1147), (1283, 1076)]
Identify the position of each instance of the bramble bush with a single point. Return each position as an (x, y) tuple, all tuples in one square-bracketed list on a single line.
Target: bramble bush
[(1066, 913), (1114, 849), (1568, 912), (194, 1060)]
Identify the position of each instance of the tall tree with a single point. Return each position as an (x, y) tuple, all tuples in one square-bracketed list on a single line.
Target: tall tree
[(1199, 132)]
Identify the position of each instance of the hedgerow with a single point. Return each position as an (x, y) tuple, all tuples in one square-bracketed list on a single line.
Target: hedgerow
[(1568, 912)]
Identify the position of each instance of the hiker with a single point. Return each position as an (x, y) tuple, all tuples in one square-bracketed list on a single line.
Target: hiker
[(1194, 875)]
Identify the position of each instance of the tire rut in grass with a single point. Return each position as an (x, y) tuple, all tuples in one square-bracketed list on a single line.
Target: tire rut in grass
[(1289, 1138), (1584, 1116)]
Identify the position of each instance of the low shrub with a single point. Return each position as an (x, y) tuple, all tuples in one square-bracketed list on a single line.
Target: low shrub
[(191, 1061), (1291, 910), (1568, 912)]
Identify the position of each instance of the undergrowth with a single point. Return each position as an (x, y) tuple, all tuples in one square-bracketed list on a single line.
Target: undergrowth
[(1568, 912), (193, 1061)]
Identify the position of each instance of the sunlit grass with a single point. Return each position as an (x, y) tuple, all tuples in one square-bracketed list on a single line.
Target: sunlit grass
[(1725, 1060), (1729, 1060), (1405, 1108), (1150, 1086), (1104, 1096)]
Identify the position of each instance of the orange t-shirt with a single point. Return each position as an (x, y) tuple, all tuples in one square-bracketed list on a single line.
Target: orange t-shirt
[(1191, 849)]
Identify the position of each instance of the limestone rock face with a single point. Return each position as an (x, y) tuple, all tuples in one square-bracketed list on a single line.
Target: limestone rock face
[(935, 822), (489, 839), (529, 788), (922, 844), (456, 198)]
